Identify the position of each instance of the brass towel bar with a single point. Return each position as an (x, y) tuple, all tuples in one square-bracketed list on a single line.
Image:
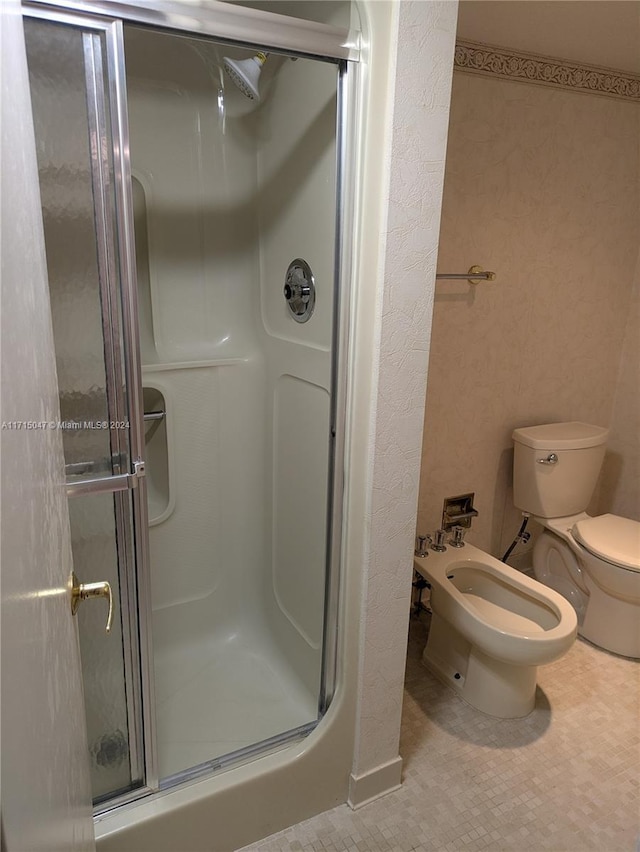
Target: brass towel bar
[(475, 274)]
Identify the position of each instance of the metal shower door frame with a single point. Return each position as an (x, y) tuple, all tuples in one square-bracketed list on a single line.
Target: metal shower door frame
[(241, 26), (224, 22), (108, 126)]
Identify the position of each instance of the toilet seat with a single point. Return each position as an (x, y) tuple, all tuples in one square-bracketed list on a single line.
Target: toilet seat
[(605, 595), (612, 538)]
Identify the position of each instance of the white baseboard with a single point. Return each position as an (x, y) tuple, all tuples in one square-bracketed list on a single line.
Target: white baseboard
[(375, 783)]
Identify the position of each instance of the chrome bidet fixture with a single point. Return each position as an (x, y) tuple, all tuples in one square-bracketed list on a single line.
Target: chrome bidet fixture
[(245, 73), (423, 542), (438, 542)]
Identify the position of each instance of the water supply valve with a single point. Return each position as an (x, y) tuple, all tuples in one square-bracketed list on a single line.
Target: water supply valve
[(422, 543), (457, 539), (439, 545)]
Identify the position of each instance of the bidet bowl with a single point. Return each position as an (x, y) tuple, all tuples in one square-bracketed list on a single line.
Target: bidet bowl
[(491, 627), (504, 613)]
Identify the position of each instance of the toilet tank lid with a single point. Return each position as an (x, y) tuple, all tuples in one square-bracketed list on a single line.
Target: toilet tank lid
[(612, 538), (561, 436)]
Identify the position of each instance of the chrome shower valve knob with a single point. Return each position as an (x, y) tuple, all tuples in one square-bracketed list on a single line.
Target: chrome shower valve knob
[(300, 290)]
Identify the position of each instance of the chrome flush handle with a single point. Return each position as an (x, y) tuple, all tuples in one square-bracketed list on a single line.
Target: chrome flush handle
[(82, 591), (552, 458)]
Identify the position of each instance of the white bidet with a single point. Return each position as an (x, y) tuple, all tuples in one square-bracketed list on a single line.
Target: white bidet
[(491, 627)]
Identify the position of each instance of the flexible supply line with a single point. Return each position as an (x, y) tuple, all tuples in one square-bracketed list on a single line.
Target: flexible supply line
[(521, 536)]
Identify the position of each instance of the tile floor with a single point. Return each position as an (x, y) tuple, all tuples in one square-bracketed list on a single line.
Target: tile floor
[(566, 778)]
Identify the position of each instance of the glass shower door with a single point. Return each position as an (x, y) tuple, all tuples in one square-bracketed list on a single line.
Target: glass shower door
[(235, 223), (236, 217), (76, 126)]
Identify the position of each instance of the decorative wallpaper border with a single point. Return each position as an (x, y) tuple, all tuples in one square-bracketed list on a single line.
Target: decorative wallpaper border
[(514, 65)]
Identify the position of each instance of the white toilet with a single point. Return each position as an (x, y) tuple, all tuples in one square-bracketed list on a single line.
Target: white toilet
[(491, 627), (594, 562)]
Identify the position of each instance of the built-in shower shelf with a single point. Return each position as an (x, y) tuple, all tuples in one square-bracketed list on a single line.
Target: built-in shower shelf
[(192, 365), (156, 440)]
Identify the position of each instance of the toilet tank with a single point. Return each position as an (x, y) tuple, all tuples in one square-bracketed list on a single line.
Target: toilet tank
[(554, 490)]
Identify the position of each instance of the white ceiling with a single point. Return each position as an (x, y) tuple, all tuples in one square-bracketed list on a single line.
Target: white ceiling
[(595, 32)]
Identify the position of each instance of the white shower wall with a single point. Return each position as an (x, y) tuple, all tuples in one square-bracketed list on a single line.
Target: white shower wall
[(230, 194), (199, 184), (297, 197)]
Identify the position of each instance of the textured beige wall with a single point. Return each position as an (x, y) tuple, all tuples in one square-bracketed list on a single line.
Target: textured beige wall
[(541, 186), (620, 485), (407, 245)]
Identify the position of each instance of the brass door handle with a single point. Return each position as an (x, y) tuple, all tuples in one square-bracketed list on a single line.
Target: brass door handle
[(81, 591)]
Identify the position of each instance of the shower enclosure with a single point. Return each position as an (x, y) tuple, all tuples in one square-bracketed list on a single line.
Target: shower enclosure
[(197, 288)]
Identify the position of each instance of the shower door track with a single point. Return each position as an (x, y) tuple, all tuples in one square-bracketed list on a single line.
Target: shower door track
[(225, 22), (241, 26)]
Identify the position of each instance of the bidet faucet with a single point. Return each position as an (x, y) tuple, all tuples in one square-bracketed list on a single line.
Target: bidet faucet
[(422, 543), (457, 539), (439, 545)]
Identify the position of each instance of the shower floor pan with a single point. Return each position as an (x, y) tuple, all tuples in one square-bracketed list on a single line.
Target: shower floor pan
[(220, 692)]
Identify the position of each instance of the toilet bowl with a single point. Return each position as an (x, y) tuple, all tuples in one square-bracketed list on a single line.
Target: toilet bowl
[(491, 628), (595, 563)]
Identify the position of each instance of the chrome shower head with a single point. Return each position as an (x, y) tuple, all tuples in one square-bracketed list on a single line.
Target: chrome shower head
[(245, 73)]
